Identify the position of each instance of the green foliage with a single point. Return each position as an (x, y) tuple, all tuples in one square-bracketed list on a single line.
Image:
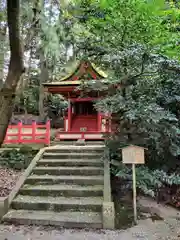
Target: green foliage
[(148, 181), (17, 159), (142, 120), (57, 102), (171, 18), (136, 41), (116, 24), (28, 100)]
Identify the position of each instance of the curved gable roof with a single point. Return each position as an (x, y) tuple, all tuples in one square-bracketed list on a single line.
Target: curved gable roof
[(79, 70)]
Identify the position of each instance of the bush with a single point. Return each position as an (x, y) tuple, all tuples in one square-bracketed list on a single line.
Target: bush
[(17, 159), (27, 150), (149, 181)]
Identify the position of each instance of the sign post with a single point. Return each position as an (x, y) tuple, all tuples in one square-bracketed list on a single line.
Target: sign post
[(134, 193), (133, 155)]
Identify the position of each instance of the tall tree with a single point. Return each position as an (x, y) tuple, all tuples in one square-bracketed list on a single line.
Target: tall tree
[(2, 53), (134, 40), (16, 67), (3, 40)]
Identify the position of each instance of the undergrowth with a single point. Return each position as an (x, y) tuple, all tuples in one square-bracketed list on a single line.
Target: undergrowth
[(17, 159)]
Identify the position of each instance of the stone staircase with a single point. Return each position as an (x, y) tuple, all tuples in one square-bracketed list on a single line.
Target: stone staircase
[(65, 189)]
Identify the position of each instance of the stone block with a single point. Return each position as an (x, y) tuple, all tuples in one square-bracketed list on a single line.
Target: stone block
[(108, 213), (80, 142), (4, 204)]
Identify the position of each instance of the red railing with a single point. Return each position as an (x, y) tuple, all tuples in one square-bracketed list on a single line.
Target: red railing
[(28, 133)]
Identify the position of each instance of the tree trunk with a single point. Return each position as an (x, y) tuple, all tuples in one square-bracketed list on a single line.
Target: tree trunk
[(15, 70), (43, 78), (2, 53)]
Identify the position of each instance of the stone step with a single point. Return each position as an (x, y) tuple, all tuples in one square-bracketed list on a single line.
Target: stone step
[(50, 218), (76, 149), (73, 155), (70, 162), (68, 171), (58, 204), (53, 179), (62, 190), (72, 143)]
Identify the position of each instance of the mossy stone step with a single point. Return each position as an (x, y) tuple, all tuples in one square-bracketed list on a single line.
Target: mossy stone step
[(69, 170), (66, 179), (58, 204), (72, 155), (76, 149), (51, 218), (73, 143), (70, 162), (62, 190)]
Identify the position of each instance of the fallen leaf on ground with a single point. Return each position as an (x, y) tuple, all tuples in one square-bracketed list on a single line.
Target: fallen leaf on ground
[(8, 179)]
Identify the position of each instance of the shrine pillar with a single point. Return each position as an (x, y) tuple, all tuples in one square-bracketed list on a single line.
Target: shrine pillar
[(99, 121), (69, 115), (104, 122)]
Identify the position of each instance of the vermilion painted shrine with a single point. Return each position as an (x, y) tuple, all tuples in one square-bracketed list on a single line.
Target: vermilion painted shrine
[(82, 120)]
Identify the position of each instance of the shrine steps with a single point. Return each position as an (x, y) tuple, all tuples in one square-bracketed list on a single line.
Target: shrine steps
[(51, 218), (62, 190), (71, 162), (66, 179), (68, 171), (73, 142), (58, 204), (65, 189), (75, 155)]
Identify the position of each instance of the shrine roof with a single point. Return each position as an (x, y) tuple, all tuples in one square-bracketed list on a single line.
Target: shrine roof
[(78, 64), (80, 72)]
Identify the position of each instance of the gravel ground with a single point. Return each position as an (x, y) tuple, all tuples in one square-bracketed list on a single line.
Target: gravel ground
[(146, 230), (8, 179), (167, 229)]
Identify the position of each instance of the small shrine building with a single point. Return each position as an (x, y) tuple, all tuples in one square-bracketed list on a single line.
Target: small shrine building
[(82, 121)]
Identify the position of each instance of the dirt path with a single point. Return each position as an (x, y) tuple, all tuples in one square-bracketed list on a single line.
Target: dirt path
[(145, 231)]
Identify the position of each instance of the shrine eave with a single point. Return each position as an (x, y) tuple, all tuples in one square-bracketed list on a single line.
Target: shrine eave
[(60, 89), (62, 84)]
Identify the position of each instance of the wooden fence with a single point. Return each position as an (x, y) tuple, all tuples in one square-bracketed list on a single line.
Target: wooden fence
[(33, 133)]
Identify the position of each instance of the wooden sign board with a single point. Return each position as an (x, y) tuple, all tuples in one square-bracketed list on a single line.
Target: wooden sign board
[(83, 129), (133, 155)]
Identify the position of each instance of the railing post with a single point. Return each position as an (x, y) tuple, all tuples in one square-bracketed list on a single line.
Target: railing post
[(33, 131), (69, 115), (99, 122), (19, 137), (82, 135), (48, 133)]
